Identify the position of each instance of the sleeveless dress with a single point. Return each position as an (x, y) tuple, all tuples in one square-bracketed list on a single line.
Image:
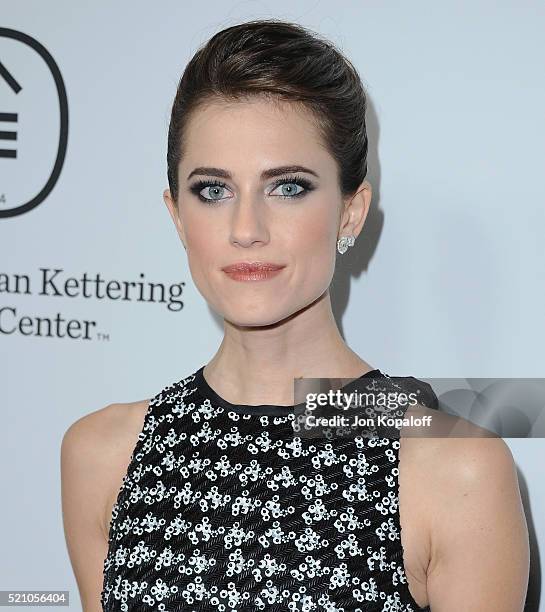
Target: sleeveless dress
[(226, 507)]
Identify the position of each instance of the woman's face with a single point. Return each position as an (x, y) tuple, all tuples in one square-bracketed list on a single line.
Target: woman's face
[(236, 204)]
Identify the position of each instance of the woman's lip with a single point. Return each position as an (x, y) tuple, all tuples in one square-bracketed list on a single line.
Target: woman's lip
[(252, 267), (253, 275)]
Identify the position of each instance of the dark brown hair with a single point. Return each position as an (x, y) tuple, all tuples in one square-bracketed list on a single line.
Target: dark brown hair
[(284, 61)]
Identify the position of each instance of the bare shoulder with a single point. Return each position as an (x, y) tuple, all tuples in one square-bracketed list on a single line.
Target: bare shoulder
[(474, 515), (128, 421), (456, 455), (101, 435), (451, 455), (113, 431), (95, 453)]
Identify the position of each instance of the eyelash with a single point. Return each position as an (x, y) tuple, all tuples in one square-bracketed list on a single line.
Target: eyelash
[(301, 182)]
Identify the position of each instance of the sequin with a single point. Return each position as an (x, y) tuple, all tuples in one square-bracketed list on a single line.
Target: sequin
[(224, 510)]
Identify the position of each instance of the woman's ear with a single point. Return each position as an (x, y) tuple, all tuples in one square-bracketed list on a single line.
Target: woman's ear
[(355, 210), (174, 214)]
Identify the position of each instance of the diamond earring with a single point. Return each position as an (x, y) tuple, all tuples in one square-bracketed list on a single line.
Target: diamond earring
[(344, 242)]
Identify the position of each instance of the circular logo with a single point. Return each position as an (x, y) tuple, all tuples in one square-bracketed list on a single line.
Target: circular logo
[(33, 123)]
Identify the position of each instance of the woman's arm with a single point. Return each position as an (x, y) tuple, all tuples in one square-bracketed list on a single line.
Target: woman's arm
[(480, 547), (85, 460)]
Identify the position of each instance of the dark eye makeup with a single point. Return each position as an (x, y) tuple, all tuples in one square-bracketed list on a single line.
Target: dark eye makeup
[(198, 186)]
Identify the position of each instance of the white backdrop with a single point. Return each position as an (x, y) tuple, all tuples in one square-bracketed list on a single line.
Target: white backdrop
[(446, 279)]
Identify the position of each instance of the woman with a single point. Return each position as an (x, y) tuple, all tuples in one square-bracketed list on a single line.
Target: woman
[(199, 498)]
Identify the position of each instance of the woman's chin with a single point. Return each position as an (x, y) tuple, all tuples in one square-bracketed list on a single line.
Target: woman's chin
[(239, 318)]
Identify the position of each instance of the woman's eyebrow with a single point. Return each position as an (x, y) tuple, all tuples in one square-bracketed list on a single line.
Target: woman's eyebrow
[(266, 174)]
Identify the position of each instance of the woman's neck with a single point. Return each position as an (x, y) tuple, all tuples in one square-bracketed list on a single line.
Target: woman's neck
[(258, 365)]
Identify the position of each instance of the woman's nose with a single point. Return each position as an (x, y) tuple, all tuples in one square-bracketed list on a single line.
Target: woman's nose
[(249, 222)]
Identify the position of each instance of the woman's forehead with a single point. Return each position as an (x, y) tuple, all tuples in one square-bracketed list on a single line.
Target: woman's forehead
[(255, 131)]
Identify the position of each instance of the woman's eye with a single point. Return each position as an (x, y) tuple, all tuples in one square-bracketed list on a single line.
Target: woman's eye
[(289, 189), (216, 192), (209, 192), (213, 193)]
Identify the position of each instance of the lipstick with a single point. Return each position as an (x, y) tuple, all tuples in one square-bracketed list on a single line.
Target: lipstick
[(252, 270)]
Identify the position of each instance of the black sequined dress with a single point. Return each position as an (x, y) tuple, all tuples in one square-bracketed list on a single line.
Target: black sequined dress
[(225, 507)]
